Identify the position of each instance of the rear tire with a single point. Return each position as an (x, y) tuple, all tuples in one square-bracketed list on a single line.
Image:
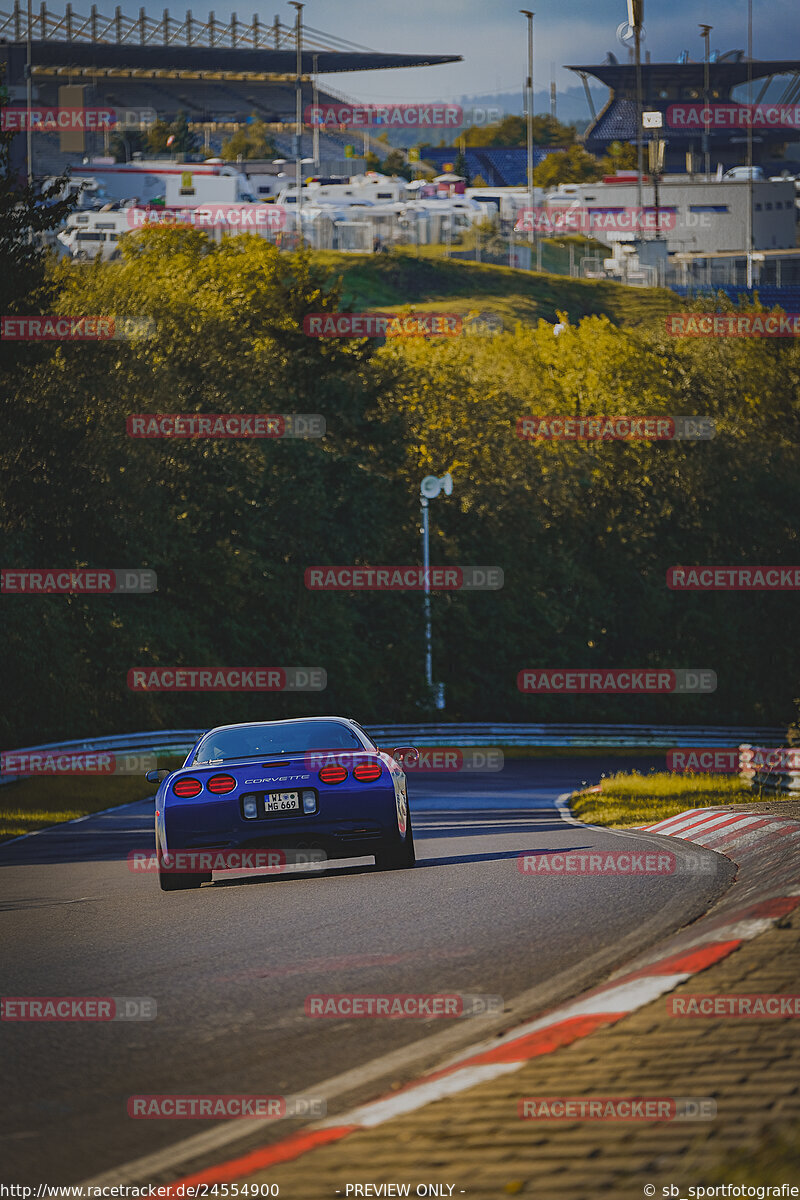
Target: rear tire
[(174, 881), (396, 855)]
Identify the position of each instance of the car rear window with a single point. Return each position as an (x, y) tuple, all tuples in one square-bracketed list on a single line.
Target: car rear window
[(287, 737)]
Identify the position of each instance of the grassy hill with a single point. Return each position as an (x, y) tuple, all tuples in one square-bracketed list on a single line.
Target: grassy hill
[(394, 281)]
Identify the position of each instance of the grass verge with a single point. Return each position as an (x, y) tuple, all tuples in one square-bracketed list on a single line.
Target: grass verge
[(392, 281), (43, 800), (636, 799)]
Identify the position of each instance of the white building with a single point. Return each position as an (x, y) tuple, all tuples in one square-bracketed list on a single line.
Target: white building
[(699, 217)]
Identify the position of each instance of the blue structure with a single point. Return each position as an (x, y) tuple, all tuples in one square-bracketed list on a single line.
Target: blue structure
[(675, 84), (499, 166), (787, 297)]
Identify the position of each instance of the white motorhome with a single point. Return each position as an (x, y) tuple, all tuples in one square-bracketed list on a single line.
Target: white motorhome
[(264, 186), (145, 179), (92, 234), (508, 201), (189, 190), (90, 194), (461, 209), (361, 189)]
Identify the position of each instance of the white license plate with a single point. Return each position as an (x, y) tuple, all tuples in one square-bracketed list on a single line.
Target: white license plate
[(282, 802)]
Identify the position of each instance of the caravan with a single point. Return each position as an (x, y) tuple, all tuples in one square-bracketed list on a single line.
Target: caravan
[(94, 234)]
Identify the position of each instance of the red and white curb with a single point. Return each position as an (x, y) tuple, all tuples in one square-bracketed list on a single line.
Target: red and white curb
[(767, 887)]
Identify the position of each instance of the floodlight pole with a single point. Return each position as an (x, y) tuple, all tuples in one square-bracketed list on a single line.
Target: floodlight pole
[(750, 238), (316, 126), (706, 150), (529, 106), (29, 102), (636, 12), (426, 598), (429, 488), (298, 136)]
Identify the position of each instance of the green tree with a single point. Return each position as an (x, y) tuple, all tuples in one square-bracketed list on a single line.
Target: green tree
[(27, 212), (395, 164), (238, 521), (621, 156), (122, 146), (573, 166), (253, 140), (513, 131), (184, 141), (460, 167), (156, 138)]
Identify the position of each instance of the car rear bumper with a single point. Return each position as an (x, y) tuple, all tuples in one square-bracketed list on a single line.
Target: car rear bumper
[(355, 830)]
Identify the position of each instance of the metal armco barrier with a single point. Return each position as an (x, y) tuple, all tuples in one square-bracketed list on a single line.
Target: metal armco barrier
[(565, 736), (180, 741)]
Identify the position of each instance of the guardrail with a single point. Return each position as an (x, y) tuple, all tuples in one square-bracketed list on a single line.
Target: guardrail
[(180, 741), (577, 736), (754, 768)]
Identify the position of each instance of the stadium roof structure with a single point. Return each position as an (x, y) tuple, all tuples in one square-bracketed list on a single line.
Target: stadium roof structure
[(102, 44), (727, 72), (666, 84)]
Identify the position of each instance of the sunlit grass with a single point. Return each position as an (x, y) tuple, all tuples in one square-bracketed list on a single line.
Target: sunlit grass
[(636, 799), (44, 800)]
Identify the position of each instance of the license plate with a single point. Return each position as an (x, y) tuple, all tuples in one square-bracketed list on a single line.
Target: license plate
[(281, 802)]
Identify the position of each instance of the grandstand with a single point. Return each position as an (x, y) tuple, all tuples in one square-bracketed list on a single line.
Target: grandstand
[(499, 166), (682, 83), (218, 73)]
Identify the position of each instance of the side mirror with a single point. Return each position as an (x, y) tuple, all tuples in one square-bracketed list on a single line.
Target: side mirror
[(156, 776), (406, 753)]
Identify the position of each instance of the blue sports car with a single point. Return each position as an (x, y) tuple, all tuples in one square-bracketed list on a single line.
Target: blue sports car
[(312, 783)]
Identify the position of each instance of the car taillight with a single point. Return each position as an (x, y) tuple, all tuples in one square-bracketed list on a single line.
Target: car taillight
[(187, 787), (333, 774), (367, 772), (219, 785)]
